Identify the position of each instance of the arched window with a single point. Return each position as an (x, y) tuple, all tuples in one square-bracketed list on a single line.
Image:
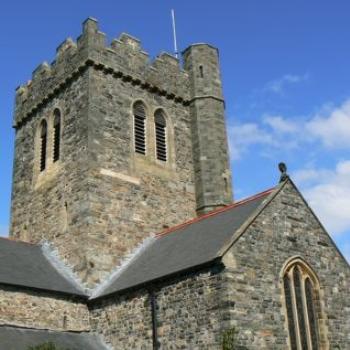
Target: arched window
[(43, 144), (300, 293), (161, 137), (56, 134), (139, 128)]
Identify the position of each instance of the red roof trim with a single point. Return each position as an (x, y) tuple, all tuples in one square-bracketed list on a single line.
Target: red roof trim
[(215, 212)]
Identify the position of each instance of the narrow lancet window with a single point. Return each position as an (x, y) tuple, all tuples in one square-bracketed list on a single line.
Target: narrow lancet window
[(309, 293), (43, 145), (161, 138), (289, 306), (201, 72), (300, 307), (56, 135), (300, 288), (139, 128)]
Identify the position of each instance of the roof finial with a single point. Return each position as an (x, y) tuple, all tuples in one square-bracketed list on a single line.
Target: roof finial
[(283, 169)]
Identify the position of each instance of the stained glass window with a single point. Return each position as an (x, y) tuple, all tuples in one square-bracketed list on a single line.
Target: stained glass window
[(299, 292)]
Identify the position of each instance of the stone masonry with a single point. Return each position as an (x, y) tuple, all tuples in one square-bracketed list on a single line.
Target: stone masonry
[(243, 291), (101, 195), (209, 130), (42, 310), (286, 228), (189, 314), (101, 200)]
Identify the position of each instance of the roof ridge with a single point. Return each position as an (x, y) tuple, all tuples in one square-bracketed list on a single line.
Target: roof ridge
[(62, 268), (215, 212)]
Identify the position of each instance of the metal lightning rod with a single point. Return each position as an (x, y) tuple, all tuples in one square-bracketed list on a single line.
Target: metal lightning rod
[(174, 33)]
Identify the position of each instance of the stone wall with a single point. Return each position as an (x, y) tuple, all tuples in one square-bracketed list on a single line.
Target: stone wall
[(42, 310), (132, 195), (193, 312), (207, 108), (286, 228), (53, 205), (125, 322), (101, 195), (189, 313)]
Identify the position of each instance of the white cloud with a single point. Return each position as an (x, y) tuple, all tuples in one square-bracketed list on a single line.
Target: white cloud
[(309, 176), (328, 195), (274, 132), (305, 175), (278, 133), (244, 135), (278, 86), (333, 130), (280, 124)]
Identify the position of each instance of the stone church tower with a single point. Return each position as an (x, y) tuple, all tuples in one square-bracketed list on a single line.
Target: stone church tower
[(111, 148), (122, 166)]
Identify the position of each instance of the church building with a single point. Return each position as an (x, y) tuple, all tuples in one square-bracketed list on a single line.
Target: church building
[(124, 231)]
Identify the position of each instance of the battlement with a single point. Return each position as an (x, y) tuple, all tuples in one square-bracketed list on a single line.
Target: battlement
[(105, 136), (124, 59)]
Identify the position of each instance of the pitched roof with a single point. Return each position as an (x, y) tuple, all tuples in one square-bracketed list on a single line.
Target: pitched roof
[(24, 264), (180, 248), (186, 246), (21, 338)]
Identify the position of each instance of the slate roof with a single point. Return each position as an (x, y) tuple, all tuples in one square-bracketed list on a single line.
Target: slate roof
[(24, 264), (20, 339), (186, 246)]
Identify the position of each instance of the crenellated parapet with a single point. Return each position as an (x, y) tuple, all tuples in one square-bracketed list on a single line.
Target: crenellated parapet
[(165, 72), (124, 59)]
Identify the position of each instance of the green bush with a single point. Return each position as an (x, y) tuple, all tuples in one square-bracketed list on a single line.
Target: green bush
[(229, 339)]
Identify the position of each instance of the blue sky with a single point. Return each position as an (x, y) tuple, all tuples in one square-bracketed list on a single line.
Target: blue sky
[(286, 74)]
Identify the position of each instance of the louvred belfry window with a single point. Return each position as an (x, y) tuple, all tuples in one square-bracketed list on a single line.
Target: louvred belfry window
[(161, 138), (43, 145), (139, 128), (300, 293), (56, 135)]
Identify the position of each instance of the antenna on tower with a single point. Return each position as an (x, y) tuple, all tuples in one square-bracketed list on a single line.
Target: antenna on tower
[(174, 33)]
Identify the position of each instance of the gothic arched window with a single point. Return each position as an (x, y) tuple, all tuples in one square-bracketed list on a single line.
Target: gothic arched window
[(139, 127), (43, 145), (161, 137), (56, 134), (300, 294)]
